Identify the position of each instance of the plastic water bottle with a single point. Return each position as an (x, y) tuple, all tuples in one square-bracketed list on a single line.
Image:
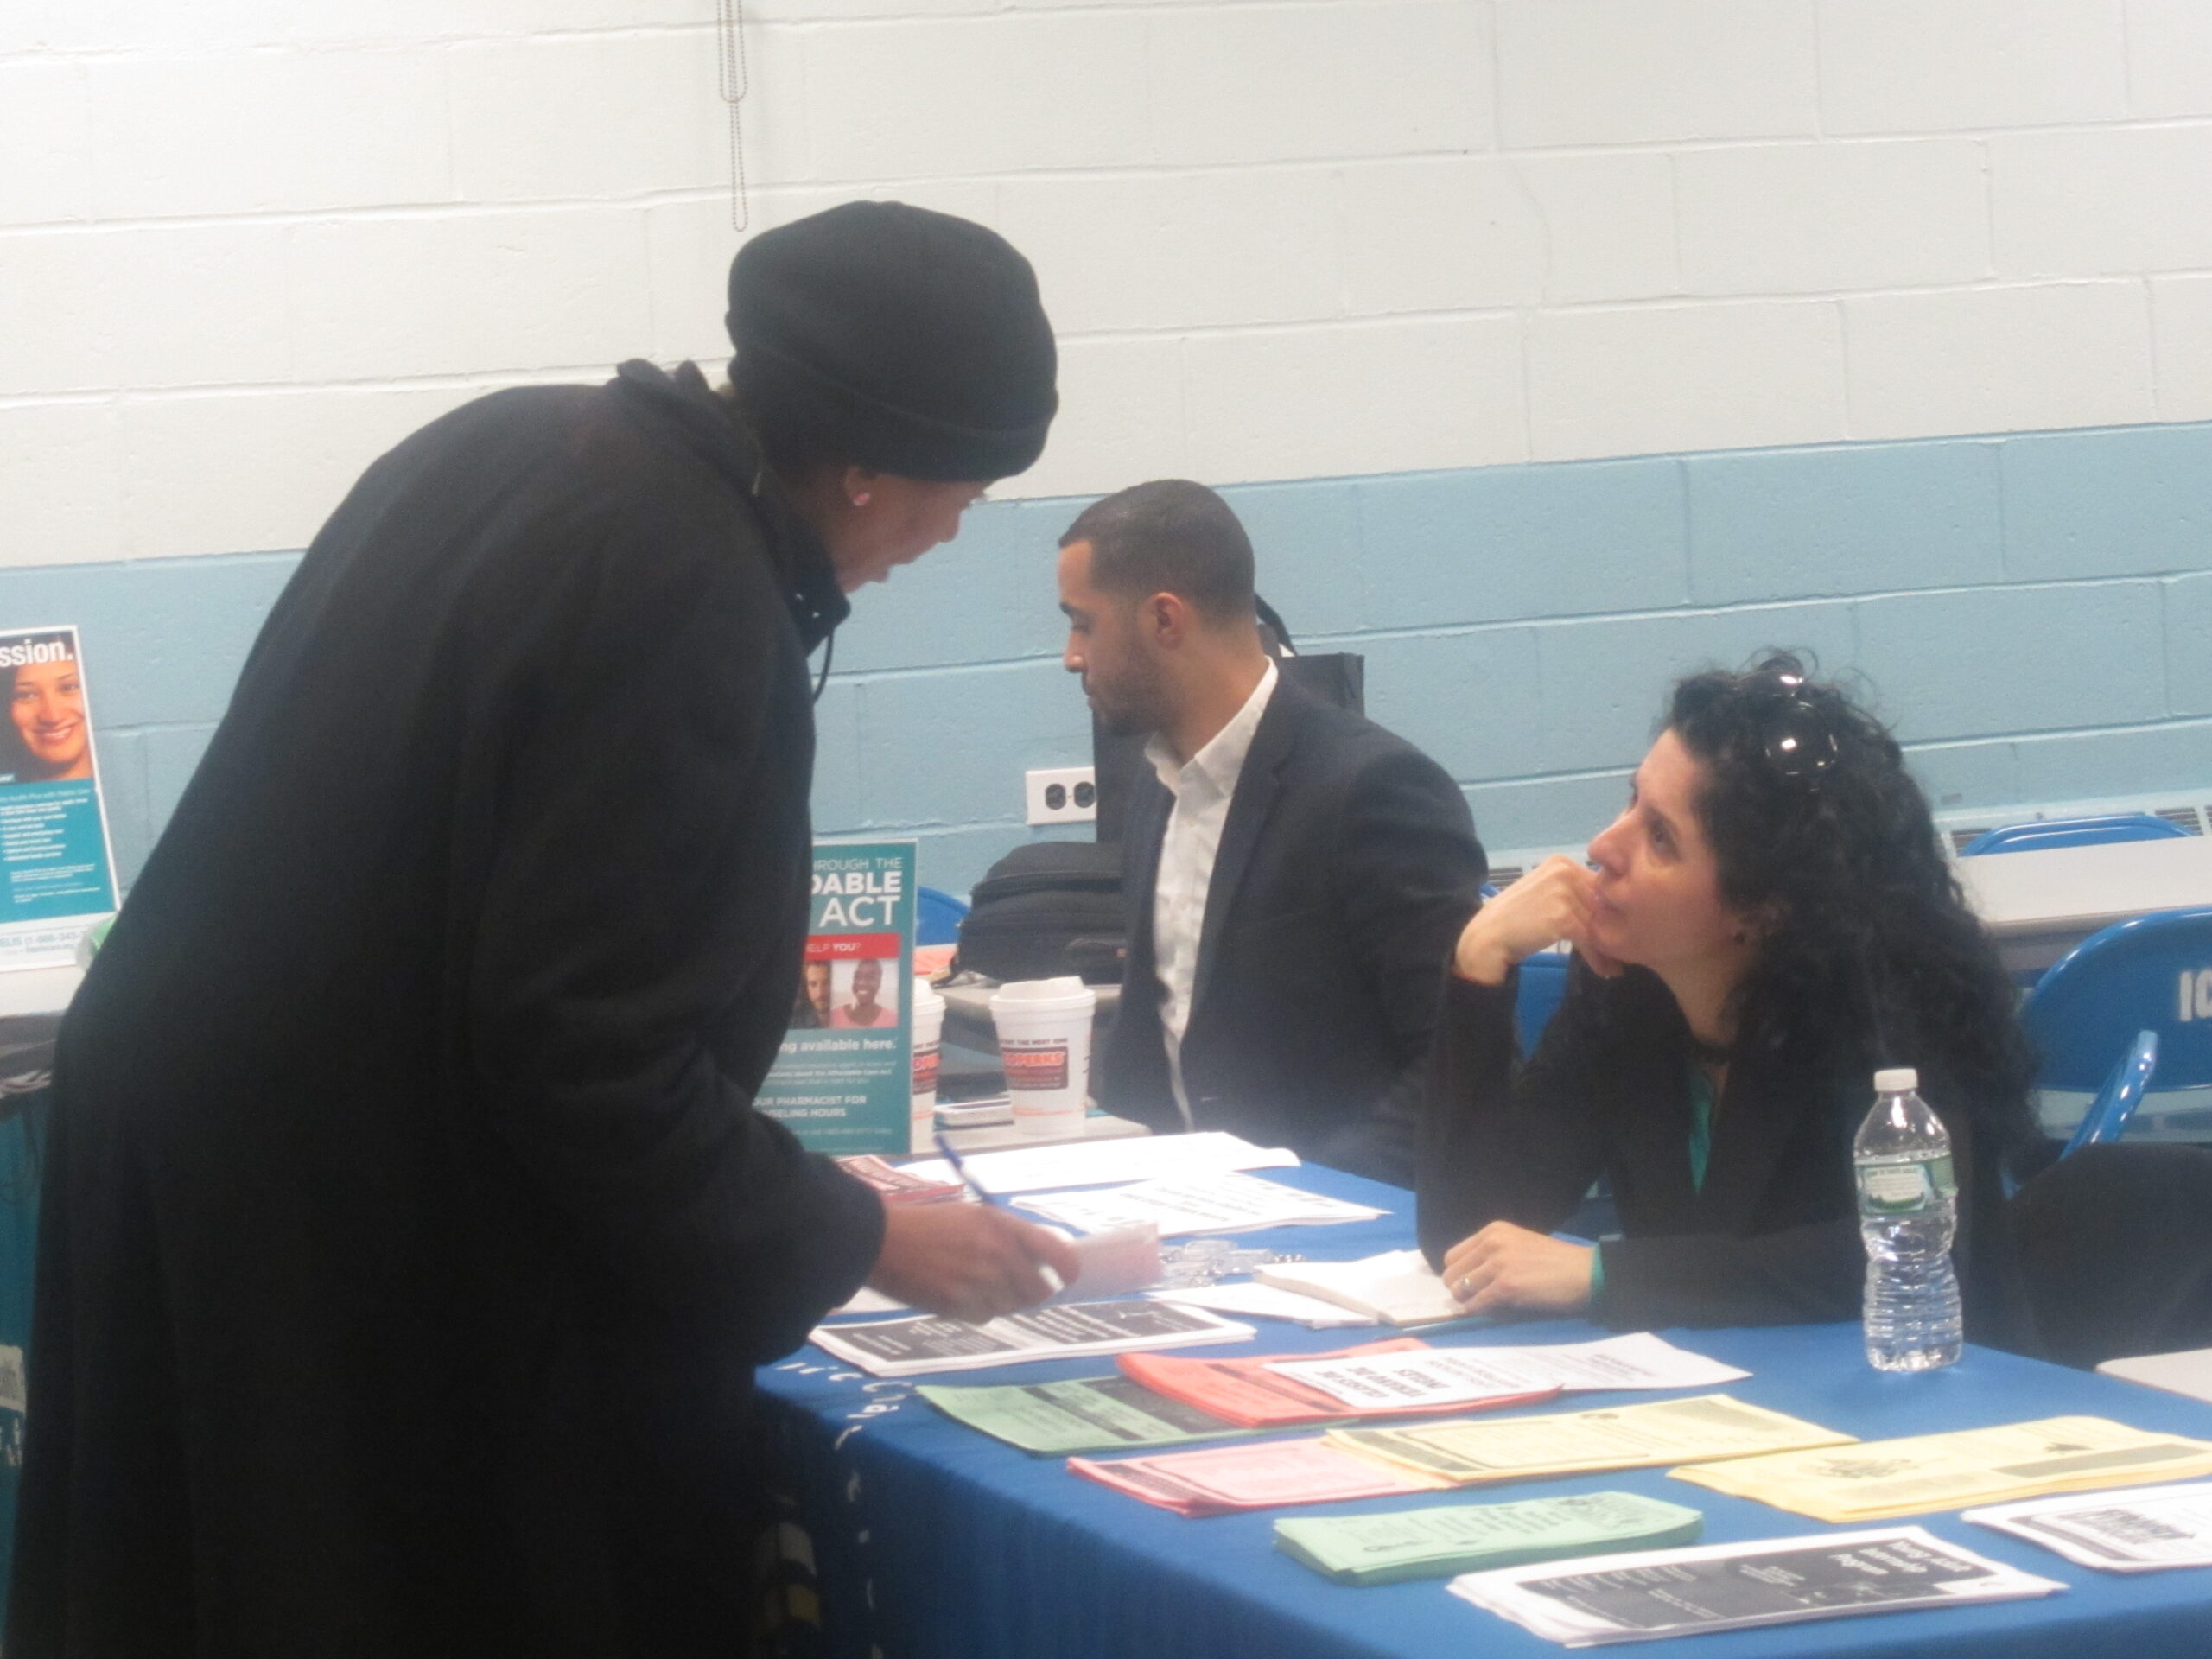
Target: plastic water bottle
[(1908, 1214)]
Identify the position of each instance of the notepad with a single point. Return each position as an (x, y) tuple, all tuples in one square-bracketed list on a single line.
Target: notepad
[(1218, 1203), (1397, 1288), (1107, 1163)]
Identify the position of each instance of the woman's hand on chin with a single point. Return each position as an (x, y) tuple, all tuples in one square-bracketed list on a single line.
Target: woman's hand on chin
[(1551, 903), (1505, 1267)]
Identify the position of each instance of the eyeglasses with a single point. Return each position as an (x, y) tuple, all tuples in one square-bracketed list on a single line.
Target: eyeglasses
[(1794, 734)]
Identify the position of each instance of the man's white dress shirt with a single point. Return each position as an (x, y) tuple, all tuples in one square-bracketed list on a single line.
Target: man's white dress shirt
[(1203, 787)]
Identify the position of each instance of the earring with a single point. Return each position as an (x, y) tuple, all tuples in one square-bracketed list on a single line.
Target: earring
[(861, 499)]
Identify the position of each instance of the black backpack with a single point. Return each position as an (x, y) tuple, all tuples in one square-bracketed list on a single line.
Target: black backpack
[(1046, 909)]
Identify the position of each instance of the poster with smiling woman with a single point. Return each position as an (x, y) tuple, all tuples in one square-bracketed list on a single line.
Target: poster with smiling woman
[(59, 873)]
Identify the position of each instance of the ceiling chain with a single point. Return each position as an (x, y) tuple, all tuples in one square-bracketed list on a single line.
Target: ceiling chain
[(736, 82)]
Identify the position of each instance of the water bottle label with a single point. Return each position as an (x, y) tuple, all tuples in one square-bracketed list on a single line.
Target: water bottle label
[(1902, 1189)]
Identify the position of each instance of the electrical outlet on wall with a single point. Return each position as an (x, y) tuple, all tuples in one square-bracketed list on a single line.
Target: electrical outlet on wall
[(1061, 795)]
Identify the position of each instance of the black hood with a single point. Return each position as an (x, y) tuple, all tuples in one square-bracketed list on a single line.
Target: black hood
[(709, 426)]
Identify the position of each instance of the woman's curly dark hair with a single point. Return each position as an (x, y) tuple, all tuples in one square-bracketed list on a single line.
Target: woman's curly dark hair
[(1868, 954)]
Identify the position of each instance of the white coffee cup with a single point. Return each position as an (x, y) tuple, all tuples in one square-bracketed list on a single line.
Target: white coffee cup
[(1044, 1028), (929, 1032)]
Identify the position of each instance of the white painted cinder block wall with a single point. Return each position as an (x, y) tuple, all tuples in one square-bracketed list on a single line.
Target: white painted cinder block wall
[(244, 244)]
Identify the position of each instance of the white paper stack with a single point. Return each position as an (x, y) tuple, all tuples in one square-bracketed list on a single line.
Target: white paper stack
[(2143, 1530), (1419, 1378)]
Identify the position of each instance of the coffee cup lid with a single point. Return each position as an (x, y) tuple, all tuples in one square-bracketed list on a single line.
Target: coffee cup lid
[(1041, 990)]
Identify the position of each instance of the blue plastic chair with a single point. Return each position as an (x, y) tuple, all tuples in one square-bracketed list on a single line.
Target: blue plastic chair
[(2149, 976), (1543, 981), (937, 917), (2106, 1118), (2043, 835)]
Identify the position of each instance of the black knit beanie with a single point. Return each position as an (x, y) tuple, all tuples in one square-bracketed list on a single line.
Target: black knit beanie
[(896, 339)]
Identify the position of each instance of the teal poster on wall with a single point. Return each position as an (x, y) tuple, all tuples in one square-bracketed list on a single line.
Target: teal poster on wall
[(844, 1080), (57, 876)]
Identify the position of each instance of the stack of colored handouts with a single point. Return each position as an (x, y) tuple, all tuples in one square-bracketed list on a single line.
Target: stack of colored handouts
[(927, 1343), (1436, 1543), (1430, 1456), (896, 1185), (1259, 1394), (1224, 1478), (1173, 1399), (1880, 1479), (1409, 1376), (1695, 1430)]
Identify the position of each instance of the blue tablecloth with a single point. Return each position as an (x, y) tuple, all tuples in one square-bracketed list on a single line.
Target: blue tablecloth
[(934, 1541)]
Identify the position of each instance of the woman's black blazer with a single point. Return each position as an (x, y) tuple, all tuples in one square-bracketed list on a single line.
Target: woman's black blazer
[(1773, 1236)]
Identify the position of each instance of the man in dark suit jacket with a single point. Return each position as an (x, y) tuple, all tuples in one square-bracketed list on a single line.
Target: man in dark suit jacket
[(1296, 876)]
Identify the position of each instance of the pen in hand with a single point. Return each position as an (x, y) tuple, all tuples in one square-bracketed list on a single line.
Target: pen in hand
[(960, 1168)]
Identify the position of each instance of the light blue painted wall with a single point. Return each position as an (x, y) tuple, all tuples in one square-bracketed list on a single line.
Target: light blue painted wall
[(2033, 612)]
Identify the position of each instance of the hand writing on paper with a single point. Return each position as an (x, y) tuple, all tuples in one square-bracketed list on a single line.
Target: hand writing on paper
[(1551, 903), (967, 1261), (1506, 1267)]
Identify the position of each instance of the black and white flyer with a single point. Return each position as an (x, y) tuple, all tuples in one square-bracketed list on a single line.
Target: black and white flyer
[(1638, 1598)]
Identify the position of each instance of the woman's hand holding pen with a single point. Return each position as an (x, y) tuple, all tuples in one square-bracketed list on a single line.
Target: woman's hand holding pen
[(1551, 903), (969, 1261)]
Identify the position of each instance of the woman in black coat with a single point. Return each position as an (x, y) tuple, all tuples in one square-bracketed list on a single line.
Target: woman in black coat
[(1769, 920), (409, 1237)]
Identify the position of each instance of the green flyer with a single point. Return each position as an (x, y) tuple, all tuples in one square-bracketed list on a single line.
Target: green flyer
[(1440, 1543), (844, 1080), (1086, 1414)]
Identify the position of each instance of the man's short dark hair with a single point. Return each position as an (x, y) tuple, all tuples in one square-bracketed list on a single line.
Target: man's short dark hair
[(1169, 536)]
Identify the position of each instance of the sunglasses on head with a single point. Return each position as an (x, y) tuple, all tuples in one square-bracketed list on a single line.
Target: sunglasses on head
[(1794, 734)]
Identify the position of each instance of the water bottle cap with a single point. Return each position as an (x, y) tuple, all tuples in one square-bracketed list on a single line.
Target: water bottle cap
[(1896, 1080)]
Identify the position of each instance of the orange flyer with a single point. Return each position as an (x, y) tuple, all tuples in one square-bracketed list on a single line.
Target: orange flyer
[(1245, 1393)]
